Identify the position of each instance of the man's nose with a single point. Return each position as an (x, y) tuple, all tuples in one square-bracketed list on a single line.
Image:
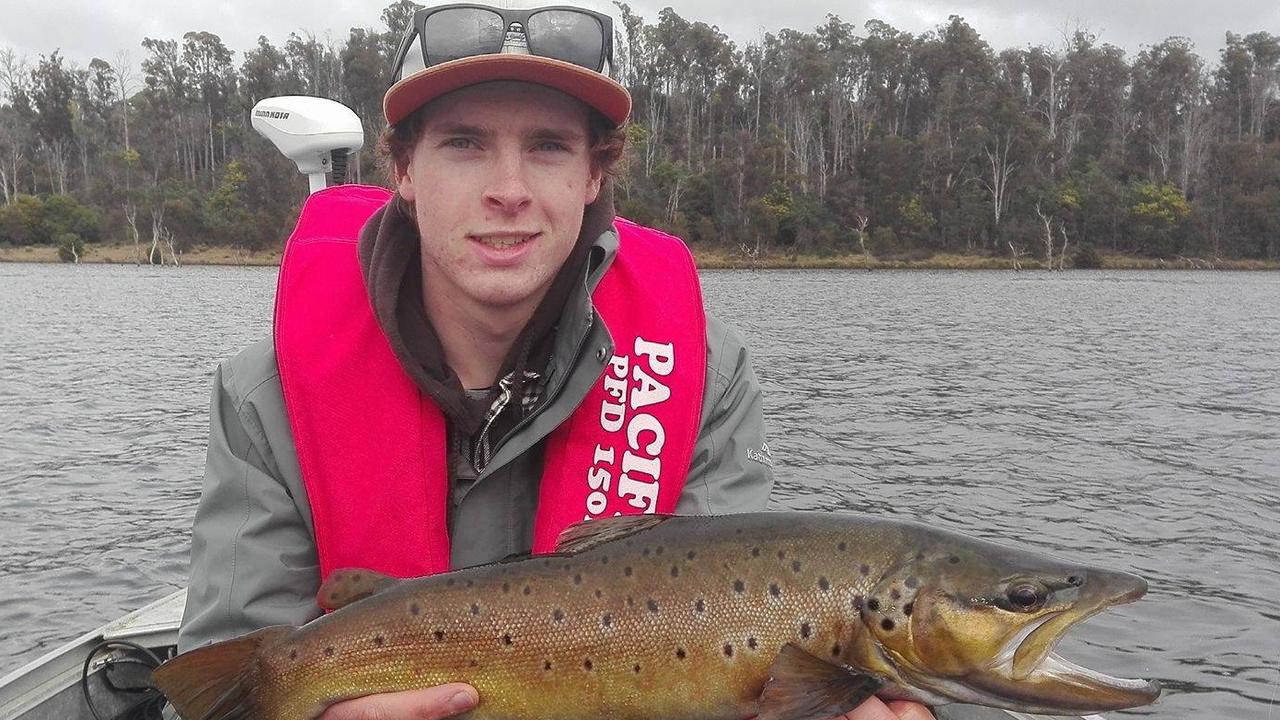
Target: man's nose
[(508, 188)]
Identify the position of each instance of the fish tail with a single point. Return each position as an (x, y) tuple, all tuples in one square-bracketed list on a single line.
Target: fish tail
[(217, 682)]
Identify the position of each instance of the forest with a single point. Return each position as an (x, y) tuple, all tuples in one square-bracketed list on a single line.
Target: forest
[(848, 138)]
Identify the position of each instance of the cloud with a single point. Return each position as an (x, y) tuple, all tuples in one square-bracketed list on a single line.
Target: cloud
[(84, 30)]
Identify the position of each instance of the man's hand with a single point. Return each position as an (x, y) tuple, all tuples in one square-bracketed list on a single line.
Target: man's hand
[(876, 709), (433, 703)]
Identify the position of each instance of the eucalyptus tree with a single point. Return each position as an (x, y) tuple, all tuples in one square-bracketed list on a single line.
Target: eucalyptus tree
[(53, 91), (212, 75)]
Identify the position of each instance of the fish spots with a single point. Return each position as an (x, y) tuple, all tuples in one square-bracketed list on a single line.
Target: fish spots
[(652, 605), (795, 566), (414, 609), (528, 590), (606, 620), (908, 609), (577, 579), (887, 624), (873, 604), (805, 630), (587, 665), (599, 593), (557, 615), (774, 590), (739, 586), (450, 582), (604, 559), (919, 556), (782, 554), (645, 552), (857, 603), (691, 554), (700, 606), (823, 584), (546, 666), (635, 668), (506, 639), (755, 552), (752, 643), (293, 654), (659, 550), (506, 587), (1075, 580), (439, 635), (911, 582), (627, 571), (865, 570), (835, 650), (675, 571), (894, 594), (379, 641), (475, 608), (631, 601), (728, 650), (953, 560), (473, 663), (681, 654), (328, 652), (842, 546)]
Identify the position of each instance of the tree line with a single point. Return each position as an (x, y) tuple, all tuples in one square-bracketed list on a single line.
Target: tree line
[(841, 139)]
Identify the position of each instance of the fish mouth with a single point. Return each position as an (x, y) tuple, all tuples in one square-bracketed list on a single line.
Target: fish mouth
[(1055, 684)]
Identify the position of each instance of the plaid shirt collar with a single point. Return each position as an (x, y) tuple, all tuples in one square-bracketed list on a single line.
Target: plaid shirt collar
[(481, 444)]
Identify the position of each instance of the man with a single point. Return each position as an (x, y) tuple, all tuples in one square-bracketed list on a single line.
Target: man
[(500, 361)]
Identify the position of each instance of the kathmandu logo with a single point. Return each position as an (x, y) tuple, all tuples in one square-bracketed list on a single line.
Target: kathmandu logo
[(273, 114), (762, 456)]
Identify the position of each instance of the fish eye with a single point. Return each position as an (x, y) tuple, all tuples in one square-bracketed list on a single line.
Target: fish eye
[(1026, 597)]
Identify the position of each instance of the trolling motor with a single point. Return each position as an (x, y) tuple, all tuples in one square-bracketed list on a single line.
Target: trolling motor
[(315, 133)]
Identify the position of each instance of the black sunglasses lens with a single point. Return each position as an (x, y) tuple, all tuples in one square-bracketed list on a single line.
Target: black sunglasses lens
[(461, 32), (566, 35)]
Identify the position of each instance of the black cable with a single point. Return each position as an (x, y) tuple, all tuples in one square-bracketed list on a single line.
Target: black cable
[(339, 157), (151, 661)]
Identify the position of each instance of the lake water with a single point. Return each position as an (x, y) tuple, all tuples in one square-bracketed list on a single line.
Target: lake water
[(1127, 419)]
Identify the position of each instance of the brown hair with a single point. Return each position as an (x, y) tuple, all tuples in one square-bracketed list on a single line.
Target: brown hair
[(605, 142)]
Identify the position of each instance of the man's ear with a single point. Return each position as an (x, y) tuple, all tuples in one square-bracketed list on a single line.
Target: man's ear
[(593, 184), (404, 181)]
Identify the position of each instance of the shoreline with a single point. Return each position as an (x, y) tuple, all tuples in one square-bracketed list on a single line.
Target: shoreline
[(707, 259)]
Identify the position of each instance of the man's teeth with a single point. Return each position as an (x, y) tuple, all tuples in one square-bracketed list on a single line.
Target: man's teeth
[(503, 241)]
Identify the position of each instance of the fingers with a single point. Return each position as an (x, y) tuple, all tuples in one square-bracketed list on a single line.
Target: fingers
[(433, 703), (904, 710), (875, 709)]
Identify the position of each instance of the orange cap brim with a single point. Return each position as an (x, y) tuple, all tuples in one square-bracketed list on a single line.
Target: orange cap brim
[(595, 89)]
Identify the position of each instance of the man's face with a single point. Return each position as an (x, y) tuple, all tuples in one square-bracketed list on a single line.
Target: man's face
[(499, 179)]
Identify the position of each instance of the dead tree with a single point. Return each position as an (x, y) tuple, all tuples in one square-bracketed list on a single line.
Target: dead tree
[(1048, 236)]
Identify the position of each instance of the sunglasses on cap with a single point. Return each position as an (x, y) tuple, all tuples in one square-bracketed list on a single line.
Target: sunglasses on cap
[(448, 32)]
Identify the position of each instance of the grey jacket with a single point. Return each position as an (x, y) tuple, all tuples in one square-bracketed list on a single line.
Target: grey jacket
[(253, 558)]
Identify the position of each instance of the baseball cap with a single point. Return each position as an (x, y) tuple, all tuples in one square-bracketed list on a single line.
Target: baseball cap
[(449, 46)]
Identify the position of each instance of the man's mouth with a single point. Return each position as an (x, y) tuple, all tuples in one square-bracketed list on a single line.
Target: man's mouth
[(502, 241)]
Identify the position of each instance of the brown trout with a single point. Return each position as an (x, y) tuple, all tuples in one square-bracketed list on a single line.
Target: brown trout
[(788, 616)]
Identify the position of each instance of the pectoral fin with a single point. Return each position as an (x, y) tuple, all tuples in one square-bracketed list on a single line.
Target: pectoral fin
[(802, 687), (347, 585)]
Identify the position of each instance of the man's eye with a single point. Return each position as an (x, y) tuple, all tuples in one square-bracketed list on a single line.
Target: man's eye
[(460, 143), (551, 146)]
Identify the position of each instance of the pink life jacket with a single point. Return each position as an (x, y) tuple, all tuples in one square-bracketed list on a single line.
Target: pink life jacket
[(371, 446)]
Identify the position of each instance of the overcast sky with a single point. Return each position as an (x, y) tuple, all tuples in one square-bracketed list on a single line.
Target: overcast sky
[(83, 29)]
